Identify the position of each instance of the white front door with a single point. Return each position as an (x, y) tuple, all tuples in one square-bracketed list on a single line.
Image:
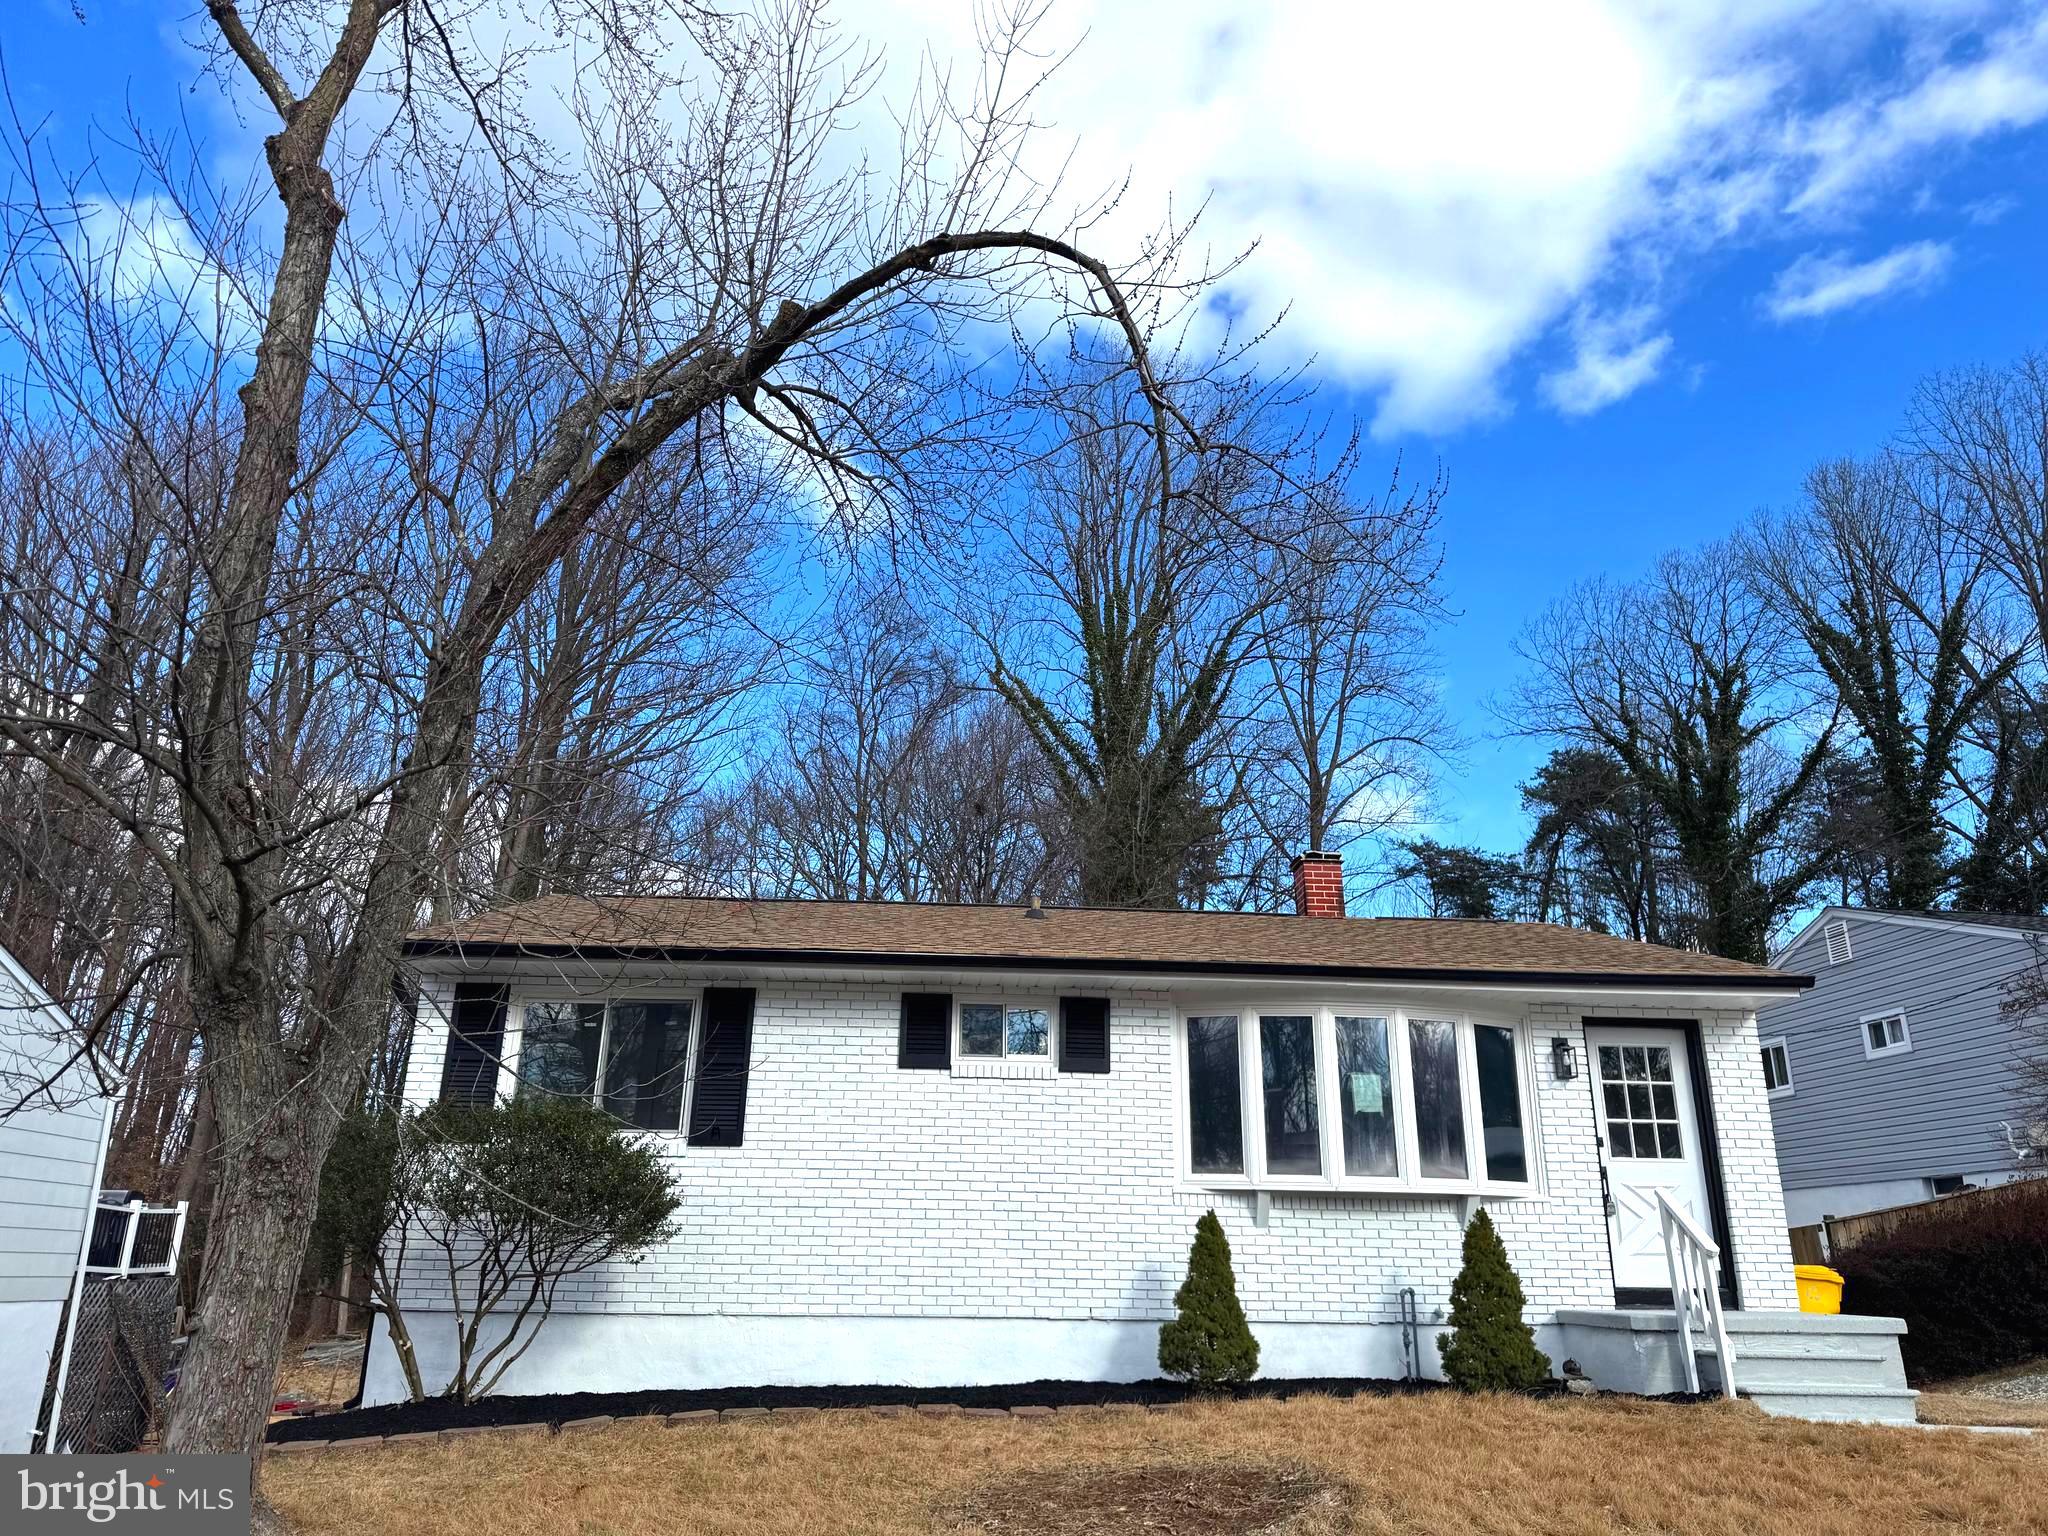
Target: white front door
[(1649, 1141)]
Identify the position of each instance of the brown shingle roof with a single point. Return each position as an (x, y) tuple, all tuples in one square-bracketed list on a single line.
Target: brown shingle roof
[(903, 934)]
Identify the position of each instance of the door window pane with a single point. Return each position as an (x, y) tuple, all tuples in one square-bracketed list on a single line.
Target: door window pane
[(647, 1064), (1287, 1055), (1215, 1104), (1642, 1108), (981, 1029), (1030, 1031), (1500, 1103), (1439, 1101), (1365, 1097), (558, 1049)]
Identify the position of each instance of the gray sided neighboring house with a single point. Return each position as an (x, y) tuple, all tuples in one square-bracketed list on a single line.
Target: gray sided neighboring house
[(1893, 1079)]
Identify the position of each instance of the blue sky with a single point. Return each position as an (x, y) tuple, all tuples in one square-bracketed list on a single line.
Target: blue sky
[(1627, 270)]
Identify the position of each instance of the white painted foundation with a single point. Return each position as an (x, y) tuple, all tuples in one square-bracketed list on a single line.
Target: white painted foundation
[(632, 1352)]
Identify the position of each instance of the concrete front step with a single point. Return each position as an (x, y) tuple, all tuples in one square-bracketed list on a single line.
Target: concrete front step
[(1761, 1365), (1853, 1405), (1793, 1363)]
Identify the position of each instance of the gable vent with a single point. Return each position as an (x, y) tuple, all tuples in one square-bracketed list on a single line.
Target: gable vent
[(1837, 934)]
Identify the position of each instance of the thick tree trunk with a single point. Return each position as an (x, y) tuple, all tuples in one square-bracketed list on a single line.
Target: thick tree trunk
[(274, 1124)]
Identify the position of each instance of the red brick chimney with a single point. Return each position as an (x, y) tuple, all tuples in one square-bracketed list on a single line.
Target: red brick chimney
[(1319, 884)]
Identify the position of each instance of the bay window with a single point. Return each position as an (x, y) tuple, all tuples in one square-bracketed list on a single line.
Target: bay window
[(1365, 1096), (630, 1057), (1439, 1098), (1500, 1104), (1367, 1099), (1215, 1105), (1287, 1061)]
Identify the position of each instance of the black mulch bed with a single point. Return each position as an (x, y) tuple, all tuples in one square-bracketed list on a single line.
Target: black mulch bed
[(562, 1407)]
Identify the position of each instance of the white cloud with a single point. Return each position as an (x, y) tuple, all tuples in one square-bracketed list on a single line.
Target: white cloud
[(1436, 189), (1613, 358), (1817, 285), (1854, 145), (1989, 210)]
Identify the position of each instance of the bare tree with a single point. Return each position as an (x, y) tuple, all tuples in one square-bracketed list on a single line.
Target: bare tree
[(1354, 727), (1135, 616), (1982, 436), (426, 389), (1887, 597), (1683, 678)]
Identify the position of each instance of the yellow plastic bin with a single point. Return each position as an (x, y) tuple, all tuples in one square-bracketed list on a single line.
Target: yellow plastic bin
[(1820, 1288)]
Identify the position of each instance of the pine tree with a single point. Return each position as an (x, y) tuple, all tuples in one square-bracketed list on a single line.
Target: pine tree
[(1208, 1343), (1489, 1345)]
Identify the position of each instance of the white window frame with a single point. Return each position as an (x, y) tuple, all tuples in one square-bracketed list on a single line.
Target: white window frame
[(514, 1039), (1022, 1064), (1898, 1047), (1777, 1043), (1406, 1179)]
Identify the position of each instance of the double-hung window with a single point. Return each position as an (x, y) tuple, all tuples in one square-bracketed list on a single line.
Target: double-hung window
[(629, 1056), (1355, 1098), (1777, 1061), (992, 1029), (1885, 1034)]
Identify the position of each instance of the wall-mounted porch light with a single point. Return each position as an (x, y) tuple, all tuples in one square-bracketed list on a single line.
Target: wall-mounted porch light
[(1564, 1058)]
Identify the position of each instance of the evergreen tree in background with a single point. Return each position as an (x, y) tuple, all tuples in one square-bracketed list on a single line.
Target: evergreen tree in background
[(1489, 1347), (1208, 1343)]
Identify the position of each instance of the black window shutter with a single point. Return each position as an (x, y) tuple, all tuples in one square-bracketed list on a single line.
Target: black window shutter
[(718, 1096), (476, 1040), (1084, 1034), (924, 1033)]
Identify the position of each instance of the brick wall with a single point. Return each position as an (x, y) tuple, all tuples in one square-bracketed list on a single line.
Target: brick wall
[(865, 1190)]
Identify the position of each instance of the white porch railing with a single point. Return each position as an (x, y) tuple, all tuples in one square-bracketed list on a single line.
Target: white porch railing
[(1694, 1262), (135, 1239)]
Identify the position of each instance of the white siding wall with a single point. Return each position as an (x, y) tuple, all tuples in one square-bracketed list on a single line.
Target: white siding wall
[(868, 1192), (48, 1157)]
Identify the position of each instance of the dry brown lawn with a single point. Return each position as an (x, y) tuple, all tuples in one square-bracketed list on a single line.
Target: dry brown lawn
[(1415, 1466)]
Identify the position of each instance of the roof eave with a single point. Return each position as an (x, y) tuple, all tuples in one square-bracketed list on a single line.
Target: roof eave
[(475, 952)]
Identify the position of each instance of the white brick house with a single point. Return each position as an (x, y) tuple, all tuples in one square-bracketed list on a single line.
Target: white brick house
[(927, 1145)]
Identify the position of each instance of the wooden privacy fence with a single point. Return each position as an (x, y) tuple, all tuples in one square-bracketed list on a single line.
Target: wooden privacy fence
[(1818, 1242)]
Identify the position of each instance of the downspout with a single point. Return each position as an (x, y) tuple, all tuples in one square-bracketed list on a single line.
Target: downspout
[(48, 1434)]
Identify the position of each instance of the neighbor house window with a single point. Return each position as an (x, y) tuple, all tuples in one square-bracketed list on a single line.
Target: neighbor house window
[(1777, 1068), (1310, 1098), (1884, 1034), (993, 1030), (630, 1056)]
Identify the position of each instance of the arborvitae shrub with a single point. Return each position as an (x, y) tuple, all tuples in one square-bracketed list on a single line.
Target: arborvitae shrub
[(1489, 1347), (1208, 1343)]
